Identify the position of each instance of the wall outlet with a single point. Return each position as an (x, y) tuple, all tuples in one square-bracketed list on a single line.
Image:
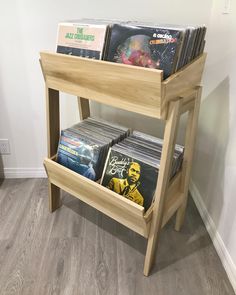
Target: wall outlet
[(4, 147)]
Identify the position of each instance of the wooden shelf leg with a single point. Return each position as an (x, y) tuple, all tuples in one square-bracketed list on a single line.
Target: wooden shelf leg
[(162, 183), (84, 109), (53, 134), (54, 197), (188, 157)]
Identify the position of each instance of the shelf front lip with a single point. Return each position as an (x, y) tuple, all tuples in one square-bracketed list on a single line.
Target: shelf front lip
[(122, 210), (127, 87)]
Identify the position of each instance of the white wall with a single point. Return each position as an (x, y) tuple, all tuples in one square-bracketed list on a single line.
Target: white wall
[(214, 170), (26, 27)]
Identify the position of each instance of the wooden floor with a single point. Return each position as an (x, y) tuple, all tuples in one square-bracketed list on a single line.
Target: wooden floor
[(77, 250)]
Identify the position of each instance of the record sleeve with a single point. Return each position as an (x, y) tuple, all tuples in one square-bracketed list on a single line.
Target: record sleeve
[(82, 39), (80, 155), (130, 177), (83, 148), (150, 47), (190, 45)]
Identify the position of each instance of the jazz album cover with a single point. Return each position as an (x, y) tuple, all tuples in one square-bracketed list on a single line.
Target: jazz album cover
[(130, 177), (81, 39)]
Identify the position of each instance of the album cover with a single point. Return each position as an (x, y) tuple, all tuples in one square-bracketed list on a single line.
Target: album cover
[(149, 47), (83, 148), (130, 177), (82, 39), (79, 154)]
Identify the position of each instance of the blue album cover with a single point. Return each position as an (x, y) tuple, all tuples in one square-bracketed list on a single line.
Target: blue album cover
[(79, 155)]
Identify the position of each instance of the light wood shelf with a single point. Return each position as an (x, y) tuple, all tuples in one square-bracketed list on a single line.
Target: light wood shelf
[(137, 90)]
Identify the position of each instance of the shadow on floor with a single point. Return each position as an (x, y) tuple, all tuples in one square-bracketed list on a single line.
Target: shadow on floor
[(173, 246)]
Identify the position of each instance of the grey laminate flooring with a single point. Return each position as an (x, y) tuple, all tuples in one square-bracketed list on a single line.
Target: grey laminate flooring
[(77, 250)]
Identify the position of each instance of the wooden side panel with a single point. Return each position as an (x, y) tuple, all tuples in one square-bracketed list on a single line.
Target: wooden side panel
[(162, 183), (54, 197), (190, 138), (173, 199), (53, 133), (184, 80), (84, 108), (117, 207), (127, 87), (53, 120)]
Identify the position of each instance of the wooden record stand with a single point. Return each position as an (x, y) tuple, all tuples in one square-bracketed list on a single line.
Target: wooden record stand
[(138, 90)]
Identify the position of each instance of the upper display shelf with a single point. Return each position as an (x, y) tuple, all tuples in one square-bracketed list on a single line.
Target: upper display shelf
[(135, 89)]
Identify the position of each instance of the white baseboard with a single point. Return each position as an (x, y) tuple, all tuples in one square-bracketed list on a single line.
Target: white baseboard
[(23, 173), (218, 243)]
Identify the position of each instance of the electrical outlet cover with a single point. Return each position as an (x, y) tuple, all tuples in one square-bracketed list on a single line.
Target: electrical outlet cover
[(4, 147)]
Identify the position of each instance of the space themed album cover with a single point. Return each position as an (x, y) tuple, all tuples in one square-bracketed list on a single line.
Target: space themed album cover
[(149, 47), (80, 154)]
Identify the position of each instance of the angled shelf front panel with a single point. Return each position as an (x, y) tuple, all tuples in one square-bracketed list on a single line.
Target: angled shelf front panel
[(115, 206), (127, 87)]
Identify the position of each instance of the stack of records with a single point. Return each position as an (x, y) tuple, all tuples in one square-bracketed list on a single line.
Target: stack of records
[(132, 166), (155, 145), (145, 46), (83, 148), (165, 47), (157, 46), (193, 44)]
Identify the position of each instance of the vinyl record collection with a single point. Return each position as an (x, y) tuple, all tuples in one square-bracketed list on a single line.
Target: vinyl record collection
[(83, 148), (127, 163), (157, 46), (132, 167)]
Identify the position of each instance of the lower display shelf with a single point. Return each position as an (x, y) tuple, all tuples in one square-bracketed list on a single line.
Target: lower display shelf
[(115, 206)]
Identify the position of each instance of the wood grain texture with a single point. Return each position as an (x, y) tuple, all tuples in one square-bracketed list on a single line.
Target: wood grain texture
[(173, 189), (162, 182), (53, 134), (53, 120), (84, 108), (54, 197), (127, 87), (186, 79), (78, 250), (97, 196), (124, 87), (190, 138)]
